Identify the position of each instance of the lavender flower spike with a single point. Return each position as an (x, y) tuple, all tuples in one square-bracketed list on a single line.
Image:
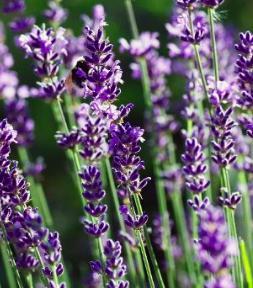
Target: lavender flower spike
[(194, 166), (114, 268), (215, 248), (94, 194)]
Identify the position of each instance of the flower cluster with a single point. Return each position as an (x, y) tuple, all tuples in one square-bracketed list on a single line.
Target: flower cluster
[(124, 146), (13, 6), (98, 73), (94, 194), (114, 268), (222, 125), (46, 47), (243, 69), (194, 166), (23, 224), (214, 247)]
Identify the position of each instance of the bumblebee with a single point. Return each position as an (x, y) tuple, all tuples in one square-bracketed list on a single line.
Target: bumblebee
[(77, 76)]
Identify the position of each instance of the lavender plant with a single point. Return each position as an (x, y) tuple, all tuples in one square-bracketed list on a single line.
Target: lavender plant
[(198, 143)]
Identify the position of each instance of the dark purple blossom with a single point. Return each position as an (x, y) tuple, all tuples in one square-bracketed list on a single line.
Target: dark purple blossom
[(222, 125), (46, 47), (101, 74), (22, 24), (124, 147), (197, 204), (93, 134), (231, 201), (68, 140), (50, 90), (214, 246), (133, 221), (212, 3), (13, 6), (186, 3), (194, 166), (94, 194), (115, 269)]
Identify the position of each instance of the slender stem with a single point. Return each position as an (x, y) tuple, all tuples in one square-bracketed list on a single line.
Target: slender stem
[(166, 237), (116, 203), (246, 264), (237, 268), (7, 265), (182, 230), (149, 245), (247, 214), (214, 46), (102, 258), (198, 59), (29, 280)]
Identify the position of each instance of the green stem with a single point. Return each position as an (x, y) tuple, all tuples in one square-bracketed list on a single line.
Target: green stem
[(214, 46), (183, 234), (166, 236), (38, 195), (7, 265), (131, 266), (247, 214), (246, 264), (198, 59), (149, 245), (29, 280), (237, 268)]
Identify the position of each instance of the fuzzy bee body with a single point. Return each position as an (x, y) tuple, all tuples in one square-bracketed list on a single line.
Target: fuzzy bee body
[(77, 76)]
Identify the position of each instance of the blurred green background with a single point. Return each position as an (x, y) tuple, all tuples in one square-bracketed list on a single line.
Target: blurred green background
[(151, 15)]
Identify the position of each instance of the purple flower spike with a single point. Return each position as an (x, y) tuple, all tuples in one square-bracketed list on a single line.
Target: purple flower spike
[(115, 268), (223, 143), (124, 145), (22, 24), (134, 222), (186, 3), (231, 201), (46, 47), (94, 194), (13, 6), (99, 75), (194, 166), (197, 204), (68, 141), (214, 247), (96, 230), (7, 137)]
